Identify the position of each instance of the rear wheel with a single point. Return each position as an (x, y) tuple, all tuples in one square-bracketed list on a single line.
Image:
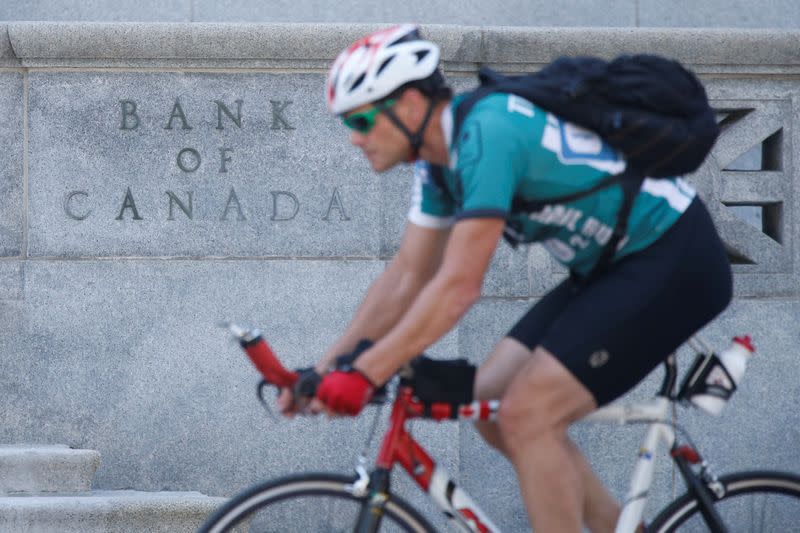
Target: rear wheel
[(313, 503), (751, 502)]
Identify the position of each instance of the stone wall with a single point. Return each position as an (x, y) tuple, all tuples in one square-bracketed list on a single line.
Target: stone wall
[(159, 178), (542, 13)]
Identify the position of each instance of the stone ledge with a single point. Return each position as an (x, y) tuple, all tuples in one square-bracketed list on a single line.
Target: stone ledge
[(707, 50), (103, 44), (7, 56), (313, 46), (41, 468), (102, 511)]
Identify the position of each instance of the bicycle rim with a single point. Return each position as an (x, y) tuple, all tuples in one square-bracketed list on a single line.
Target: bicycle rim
[(753, 502), (312, 503)]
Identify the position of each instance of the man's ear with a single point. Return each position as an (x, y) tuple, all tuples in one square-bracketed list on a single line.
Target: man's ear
[(415, 102)]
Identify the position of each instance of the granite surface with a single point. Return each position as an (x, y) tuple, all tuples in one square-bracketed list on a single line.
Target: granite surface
[(194, 165), (11, 164), (182, 174), (579, 13)]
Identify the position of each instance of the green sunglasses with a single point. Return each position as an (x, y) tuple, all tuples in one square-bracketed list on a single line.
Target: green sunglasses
[(364, 121)]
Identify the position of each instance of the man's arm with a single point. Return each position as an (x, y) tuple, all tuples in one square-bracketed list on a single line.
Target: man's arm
[(393, 292), (442, 302)]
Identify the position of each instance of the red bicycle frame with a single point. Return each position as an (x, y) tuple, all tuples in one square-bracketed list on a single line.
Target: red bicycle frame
[(398, 445)]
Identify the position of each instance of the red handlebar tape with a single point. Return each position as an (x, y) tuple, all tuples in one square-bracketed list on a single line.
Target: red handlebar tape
[(265, 361)]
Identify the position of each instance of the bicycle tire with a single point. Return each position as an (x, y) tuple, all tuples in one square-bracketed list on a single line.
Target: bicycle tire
[(677, 515), (249, 504)]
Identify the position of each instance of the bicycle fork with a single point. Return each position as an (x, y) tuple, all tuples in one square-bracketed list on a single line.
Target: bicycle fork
[(701, 487), (377, 493)]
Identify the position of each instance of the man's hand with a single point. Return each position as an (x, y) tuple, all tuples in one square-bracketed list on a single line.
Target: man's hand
[(345, 393), (300, 398)]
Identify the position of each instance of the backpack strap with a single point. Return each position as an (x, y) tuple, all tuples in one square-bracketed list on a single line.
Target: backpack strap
[(531, 206), (631, 182)]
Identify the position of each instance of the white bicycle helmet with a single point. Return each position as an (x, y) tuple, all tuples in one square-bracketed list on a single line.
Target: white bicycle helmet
[(378, 64)]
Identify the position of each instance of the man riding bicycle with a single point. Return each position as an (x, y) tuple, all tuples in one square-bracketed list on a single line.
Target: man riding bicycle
[(585, 343)]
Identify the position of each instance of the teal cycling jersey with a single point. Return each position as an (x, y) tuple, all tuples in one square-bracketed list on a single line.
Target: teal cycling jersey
[(507, 149)]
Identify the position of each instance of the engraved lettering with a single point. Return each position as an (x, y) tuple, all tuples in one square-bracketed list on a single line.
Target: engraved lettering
[(177, 112), (194, 155), (129, 111), (173, 199), (223, 153), (336, 202), (278, 119), (68, 208), (128, 203), (291, 197), (233, 199), (222, 108)]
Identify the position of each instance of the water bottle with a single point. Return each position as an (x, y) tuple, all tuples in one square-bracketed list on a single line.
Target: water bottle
[(721, 382)]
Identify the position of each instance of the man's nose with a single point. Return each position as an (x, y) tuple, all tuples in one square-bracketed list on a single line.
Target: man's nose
[(356, 138)]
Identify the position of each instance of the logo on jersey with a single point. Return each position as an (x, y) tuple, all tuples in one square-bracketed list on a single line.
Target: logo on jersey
[(578, 146), (599, 358)]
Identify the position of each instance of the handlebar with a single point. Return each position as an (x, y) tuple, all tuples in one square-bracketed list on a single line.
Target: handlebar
[(262, 356), (274, 373)]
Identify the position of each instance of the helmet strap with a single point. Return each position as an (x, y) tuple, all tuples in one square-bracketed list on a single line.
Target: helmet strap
[(415, 139)]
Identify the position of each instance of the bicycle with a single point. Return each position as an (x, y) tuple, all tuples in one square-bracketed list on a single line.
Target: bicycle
[(767, 501)]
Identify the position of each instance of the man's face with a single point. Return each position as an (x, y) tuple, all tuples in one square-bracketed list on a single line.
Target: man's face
[(384, 145)]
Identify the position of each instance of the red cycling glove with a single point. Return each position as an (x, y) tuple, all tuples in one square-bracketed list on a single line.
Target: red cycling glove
[(345, 392)]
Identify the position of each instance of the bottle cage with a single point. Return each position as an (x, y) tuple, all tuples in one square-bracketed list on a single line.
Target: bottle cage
[(707, 376)]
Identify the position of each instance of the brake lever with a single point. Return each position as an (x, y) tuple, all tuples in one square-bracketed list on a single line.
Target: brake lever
[(262, 385)]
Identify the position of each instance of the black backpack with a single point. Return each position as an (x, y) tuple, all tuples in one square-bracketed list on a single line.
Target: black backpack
[(651, 109)]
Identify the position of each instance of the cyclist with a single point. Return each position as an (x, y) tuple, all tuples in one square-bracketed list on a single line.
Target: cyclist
[(583, 344)]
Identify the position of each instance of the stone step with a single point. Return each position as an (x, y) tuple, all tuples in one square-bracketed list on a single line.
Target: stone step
[(106, 512), (46, 468)]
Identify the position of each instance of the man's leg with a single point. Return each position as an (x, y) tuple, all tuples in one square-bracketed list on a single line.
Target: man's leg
[(600, 510), (509, 359), (493, 378)]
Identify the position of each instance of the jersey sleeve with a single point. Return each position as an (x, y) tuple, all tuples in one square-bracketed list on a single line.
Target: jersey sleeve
[(431, 207), (491, 163)]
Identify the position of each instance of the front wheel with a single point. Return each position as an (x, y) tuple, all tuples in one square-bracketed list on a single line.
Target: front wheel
[(750, 502), (313, 503)]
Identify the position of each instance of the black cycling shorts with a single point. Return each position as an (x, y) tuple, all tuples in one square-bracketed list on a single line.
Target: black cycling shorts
[(611, 332)]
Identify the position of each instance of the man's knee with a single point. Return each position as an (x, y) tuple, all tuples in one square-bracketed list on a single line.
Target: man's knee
[(543, 399), (521, 421)]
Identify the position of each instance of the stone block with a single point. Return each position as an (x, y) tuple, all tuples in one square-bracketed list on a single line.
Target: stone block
[(99, 512), (313, 46), (135, 367), (279, 45), (12, 275), (194, 165), (460, 12), (11, 163), (706, 50), (97, 10), (7, 56), (54, 468), (747, 182), (719, 14)]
